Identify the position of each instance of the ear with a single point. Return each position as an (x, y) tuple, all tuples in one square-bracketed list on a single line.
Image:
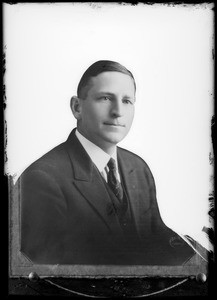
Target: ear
[(75, 105)]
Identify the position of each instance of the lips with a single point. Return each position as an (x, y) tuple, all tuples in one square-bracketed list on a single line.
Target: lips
[(114, 124)]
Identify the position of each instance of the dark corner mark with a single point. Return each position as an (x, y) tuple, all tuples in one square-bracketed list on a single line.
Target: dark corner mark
[(168, 3), (4, 105), (4, 60), (6, 141), (4, 97), (213, 121), (210, 230), (134, 3), (3, 71), (183, 3), (130, 3), (213, 131), (211, 158), (10, 2)]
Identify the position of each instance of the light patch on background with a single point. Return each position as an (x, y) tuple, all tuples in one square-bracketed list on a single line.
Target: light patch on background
[(169, 51)]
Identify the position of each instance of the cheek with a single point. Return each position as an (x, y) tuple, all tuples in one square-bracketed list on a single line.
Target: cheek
[(130, 116), (88, 114), (95, 110)]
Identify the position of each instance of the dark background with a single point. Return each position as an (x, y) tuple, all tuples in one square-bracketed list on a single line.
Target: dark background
[(110, 287)]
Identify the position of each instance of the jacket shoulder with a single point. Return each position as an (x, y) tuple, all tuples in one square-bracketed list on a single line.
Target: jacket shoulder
[(131, 157), (134, 162)]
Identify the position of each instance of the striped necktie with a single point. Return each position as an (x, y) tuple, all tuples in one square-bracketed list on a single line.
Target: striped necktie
[(113, 181)]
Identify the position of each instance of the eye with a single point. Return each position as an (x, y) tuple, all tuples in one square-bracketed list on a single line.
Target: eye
[(106, 98), (127, 101)]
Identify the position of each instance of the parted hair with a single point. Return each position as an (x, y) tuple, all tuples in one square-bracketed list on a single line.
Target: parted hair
[(97, 68)]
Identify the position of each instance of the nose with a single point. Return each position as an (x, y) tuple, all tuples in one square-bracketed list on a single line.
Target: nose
[(117, 109)]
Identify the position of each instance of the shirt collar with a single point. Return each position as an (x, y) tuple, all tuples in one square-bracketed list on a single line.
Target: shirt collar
[(99, 157)]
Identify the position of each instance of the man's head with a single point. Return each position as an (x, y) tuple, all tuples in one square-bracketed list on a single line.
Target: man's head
[(94, 70), (104, 106)]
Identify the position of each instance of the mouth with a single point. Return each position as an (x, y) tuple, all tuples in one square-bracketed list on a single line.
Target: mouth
[(114, 124)]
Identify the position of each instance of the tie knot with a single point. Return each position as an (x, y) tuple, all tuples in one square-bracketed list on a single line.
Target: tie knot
[(112, 164)]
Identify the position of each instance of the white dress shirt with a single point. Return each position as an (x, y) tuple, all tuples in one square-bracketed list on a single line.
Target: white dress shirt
[(99, 157)]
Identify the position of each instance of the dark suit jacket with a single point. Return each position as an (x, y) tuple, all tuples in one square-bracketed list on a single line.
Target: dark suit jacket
[(66, 214)]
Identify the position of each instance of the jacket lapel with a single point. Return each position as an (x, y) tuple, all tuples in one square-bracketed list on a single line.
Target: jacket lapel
[(135, 191), (90, 183)]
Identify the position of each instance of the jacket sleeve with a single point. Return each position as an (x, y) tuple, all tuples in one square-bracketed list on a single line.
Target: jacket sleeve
[(43, 217), (157, 223)]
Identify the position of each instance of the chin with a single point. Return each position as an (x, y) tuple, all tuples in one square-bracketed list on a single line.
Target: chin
[(114, 138)]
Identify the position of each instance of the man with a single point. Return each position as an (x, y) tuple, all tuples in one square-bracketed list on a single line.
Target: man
[(88, 201)]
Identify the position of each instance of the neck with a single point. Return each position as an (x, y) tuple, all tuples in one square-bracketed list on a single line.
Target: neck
[(109, 149)]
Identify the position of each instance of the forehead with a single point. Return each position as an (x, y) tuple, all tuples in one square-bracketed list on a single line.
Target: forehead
[(114, 82)]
